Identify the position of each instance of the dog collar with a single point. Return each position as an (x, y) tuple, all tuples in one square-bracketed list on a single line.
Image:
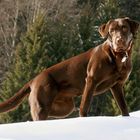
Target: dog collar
[(125, 57), (125, 53)]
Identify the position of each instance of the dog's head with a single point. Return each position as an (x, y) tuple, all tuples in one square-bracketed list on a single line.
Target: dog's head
[(120, 32)]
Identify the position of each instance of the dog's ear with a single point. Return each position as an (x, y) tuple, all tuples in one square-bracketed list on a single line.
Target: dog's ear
[(104, 29), (134, 25)]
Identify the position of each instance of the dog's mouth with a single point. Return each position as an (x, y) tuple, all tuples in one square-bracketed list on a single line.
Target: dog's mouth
[(122, 47), (122, 50), (119, 50)]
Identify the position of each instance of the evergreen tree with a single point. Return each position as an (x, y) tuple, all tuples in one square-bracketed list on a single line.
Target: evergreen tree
[(52, 40), (27, 64), (130, 8), (45, 44), (132, 88)]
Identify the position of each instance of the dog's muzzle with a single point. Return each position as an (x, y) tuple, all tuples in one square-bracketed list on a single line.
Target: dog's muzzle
[(125, 51)]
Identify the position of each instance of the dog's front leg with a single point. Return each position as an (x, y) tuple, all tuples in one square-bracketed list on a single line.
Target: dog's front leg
[(87, 97), (117, 91)]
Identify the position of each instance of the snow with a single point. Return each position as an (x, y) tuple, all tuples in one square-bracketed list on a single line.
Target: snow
[(88, 128)]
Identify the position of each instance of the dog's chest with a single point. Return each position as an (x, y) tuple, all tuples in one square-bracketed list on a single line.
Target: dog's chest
[(123, 70)]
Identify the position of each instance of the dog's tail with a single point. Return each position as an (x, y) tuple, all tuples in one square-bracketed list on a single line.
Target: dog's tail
[(14, 101)]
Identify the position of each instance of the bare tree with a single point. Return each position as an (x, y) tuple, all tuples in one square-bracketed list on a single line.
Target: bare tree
[(16, 15)]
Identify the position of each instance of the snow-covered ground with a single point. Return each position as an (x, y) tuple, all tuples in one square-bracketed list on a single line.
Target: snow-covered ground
[(88, 128)]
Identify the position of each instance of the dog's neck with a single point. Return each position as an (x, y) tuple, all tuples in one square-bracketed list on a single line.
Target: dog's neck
[(123, 56), (116, 58)]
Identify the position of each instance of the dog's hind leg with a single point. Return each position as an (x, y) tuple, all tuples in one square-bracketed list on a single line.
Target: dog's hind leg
[(62, 107), (41, 99), (40, 105)]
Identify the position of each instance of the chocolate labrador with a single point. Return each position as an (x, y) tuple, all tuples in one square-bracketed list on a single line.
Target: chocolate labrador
[(105, 67)]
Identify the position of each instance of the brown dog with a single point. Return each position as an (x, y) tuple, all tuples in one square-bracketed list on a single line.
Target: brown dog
[(105, 67)]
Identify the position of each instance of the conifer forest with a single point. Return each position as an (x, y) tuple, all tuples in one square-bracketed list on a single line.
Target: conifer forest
[(36, 34)]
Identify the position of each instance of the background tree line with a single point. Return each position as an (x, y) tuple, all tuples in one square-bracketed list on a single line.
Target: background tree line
[(37, 34)]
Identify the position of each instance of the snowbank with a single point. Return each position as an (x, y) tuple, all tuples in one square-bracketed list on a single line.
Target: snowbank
[(89, 128)]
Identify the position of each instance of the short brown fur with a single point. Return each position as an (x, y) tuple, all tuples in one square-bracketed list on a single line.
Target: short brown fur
[(102, 68)]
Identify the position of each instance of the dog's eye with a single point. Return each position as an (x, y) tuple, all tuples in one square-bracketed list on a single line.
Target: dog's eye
[(124, 28), (112, 30)]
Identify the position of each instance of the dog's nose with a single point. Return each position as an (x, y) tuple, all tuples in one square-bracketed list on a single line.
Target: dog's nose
[(119, 40)]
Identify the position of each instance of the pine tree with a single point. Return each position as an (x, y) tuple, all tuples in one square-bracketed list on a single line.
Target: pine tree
[(132, 88), (45, 44), (130, 8), (27, 64), (49, 41)]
